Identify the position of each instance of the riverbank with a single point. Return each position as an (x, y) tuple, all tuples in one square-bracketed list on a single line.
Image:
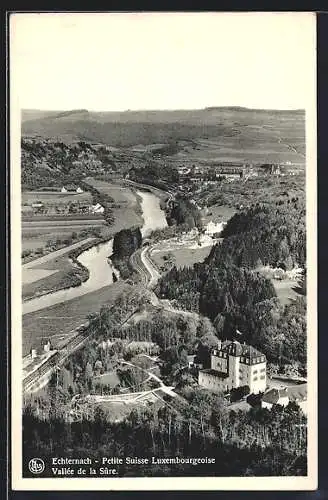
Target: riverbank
[(126, 206), (126, 245), (68, 272)]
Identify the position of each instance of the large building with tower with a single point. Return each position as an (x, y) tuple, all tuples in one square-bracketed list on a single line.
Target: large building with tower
[(234, 365)]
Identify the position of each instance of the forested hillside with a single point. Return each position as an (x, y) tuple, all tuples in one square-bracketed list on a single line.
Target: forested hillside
[(265, 235), (51, 163), (227, 289), (259, 442)]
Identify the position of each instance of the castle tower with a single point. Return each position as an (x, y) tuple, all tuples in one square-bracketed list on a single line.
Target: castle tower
[(235, 351)]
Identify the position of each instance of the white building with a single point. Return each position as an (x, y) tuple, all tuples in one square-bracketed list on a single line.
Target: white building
[(34, 353), (235, 365), (63, 190), (97, 209), (283, 396), (214, 228), (79, 190), (275, 397)]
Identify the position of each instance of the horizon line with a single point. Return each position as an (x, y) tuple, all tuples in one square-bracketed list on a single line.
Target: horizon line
[(130, 110)]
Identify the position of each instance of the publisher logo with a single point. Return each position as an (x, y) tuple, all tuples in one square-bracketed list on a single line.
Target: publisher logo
[(36, 465)]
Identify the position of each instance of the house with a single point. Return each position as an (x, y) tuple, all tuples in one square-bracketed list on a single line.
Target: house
[(34, 353), (193, 363), (97, 209), (46, 344), (283, 396), (37, 204), (275, 397), (213, 228), (272, 169), (234, 365), (63, 190), (79, 190)]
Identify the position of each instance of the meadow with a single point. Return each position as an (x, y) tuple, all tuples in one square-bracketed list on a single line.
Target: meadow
[(180, 257), (126, 207), (37, 230), (55, 197), (60, 319)]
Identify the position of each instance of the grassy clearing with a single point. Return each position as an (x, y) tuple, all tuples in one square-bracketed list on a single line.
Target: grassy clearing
[(60, 319), (109, 378), (31, 275), (219, 213), (285, 290), (37, 234), (180, 257)]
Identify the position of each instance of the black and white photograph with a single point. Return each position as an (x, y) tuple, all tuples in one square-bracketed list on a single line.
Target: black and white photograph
[(163, 213)]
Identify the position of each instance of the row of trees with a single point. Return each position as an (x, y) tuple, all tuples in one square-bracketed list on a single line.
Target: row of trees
[(254, 443), (125, 243), (182, 211), (156, 174)]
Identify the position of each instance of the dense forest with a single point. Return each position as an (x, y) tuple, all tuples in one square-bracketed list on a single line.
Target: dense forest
[(227, 289), (125, 243), (265, 235), (182, 212), (160, 175), (197, 424)]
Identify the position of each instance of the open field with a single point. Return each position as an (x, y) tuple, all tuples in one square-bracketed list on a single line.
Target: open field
[(121, 195), (31, 275), (54, 256), (109, 378), (60, 319), (64, 219), (49, 272), (39, 281), (219, 213), (37, 232), (285, 290), (250, 143), (180, 257), (54, 197), (127, 212)]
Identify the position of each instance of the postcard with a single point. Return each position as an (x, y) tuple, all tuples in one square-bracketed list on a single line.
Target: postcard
[(163, 251)]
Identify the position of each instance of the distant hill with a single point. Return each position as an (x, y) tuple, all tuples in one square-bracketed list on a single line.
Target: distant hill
[(128, 128)]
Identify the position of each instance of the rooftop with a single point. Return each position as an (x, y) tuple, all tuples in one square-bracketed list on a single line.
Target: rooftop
[(235, 348), (274, 395), (296, 393)]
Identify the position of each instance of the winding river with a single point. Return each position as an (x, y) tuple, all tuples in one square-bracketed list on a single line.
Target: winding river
[(96, 259)]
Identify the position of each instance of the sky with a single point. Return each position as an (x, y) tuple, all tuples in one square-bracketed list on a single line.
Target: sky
[(114, 62)]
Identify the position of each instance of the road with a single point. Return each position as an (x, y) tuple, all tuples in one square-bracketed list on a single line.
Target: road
[(168, 390), (149, 276), (154, 274)]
